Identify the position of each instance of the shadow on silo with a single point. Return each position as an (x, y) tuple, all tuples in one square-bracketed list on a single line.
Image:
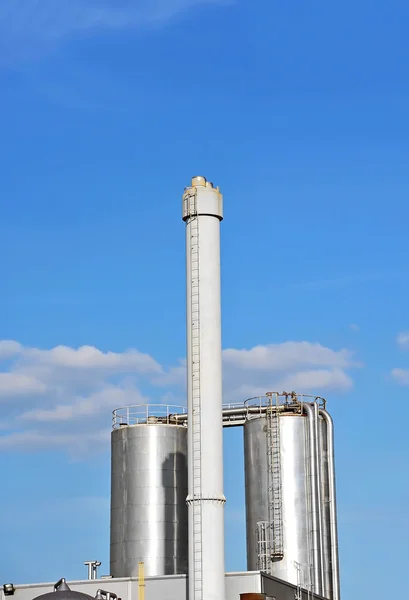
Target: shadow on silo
[(174, 481)]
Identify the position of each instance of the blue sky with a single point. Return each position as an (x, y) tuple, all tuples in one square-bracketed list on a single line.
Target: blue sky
[(299, 112)]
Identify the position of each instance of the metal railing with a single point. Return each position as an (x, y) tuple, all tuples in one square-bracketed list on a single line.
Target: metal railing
[(147, 414), (283, 399), (235, 414)]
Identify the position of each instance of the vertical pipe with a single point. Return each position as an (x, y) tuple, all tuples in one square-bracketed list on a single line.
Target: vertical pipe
[(333, 507), (316, 550), (202, 213), (318, 450), (327, 591)]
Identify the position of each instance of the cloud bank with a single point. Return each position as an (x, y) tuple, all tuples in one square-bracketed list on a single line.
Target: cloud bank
[(62, 397)]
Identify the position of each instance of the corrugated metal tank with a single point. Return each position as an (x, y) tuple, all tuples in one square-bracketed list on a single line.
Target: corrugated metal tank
[(148, 500), (295, 494)]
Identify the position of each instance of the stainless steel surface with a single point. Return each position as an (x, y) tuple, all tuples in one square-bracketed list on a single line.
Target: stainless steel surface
[(336, 592), (326, 539), (318, 450), (313, 497), (148, 500), (92, 568), (308, 495), (293, 488)]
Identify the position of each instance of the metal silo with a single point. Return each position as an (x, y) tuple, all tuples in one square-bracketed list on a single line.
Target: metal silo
[(290, 493), (149, 520)]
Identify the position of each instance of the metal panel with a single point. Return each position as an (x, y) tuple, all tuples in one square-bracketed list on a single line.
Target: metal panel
[(281, 590), (148, 500), (296, 531)]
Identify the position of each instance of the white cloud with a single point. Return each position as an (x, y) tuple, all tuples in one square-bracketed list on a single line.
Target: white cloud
[(303, 367), (15, 384), (299, 366), (402, 339), (62, 397), (318, 379), (401, 376), (53, 397), (277, 357), (88, 357), (280, 366), (173, 376), (9, 348), (100, 402)]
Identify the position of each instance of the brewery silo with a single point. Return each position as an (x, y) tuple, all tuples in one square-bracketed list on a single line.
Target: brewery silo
[(290, 493), (148, 492)]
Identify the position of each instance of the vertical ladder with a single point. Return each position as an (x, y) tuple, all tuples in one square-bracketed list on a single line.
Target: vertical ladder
[(304, 581), (196, 417), (263, 546), (298, 592), (274, 486)]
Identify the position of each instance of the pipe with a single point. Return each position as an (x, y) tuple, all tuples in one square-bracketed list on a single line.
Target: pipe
[(241, 411), (326, 544), (92, 568), (333, 506), (319, 494), (316, 551), (104, 595)]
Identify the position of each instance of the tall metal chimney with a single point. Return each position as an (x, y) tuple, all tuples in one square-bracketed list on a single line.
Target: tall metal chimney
[(202, 213)]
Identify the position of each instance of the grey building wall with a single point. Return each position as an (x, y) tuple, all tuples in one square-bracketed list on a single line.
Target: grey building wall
[(242, 583), (168, 587)]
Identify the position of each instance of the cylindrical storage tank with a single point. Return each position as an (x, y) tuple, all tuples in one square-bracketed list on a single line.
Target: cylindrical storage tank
[(295, 566), (149, 520)]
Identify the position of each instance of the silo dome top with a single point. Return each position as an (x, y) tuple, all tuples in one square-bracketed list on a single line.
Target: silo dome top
[(63, 592), (198, 180), (64, 595)]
